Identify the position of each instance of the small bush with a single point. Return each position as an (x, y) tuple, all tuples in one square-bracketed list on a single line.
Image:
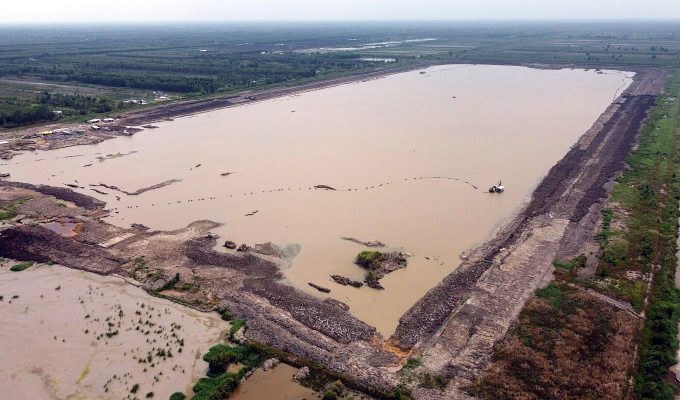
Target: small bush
[(370, 259), (21, 266), (226, 314), (576, 262), (178, 396), (412, 363), (330, 395)]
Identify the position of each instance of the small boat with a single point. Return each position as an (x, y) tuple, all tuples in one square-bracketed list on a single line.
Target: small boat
[(497, 188)]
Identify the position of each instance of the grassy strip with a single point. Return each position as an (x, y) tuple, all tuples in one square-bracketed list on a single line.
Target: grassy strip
[(21, 266), (644, 204), (655, 167)]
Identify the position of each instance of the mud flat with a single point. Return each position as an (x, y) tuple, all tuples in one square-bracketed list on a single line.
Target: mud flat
[(72, 334)]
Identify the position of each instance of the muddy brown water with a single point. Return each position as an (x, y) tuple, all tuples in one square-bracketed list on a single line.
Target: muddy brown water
[(275, 384), (405, 145), (54, 342)]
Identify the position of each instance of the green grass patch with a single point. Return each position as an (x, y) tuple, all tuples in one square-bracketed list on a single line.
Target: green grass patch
[(21, 266), (235, 326), (412, 363), (9, 210), (568, 266), (370, 259), (220, 384)]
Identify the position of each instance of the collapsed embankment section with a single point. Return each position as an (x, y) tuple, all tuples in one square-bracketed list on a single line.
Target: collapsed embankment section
[(263, 275)]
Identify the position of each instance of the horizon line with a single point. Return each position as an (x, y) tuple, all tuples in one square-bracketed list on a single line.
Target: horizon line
[(346, 21)]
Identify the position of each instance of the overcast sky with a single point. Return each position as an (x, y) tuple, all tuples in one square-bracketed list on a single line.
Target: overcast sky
[(16, 11)]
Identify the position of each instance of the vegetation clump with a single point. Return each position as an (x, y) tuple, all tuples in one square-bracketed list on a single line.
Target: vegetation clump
[(21, 266), (378, 264), (574, 263), (220, 383), (236, 324), (370, 259)]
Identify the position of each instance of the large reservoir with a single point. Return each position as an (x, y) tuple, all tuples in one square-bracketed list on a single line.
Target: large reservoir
[(410, 157)]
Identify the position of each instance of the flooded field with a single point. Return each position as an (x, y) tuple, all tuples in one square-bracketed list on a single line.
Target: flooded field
[(69, 334), (411, 156)]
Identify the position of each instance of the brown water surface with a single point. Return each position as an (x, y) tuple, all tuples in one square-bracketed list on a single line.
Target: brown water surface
[(275, 384), (401, 148)]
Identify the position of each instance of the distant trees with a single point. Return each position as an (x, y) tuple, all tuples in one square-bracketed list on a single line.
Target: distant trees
[(15, 112)]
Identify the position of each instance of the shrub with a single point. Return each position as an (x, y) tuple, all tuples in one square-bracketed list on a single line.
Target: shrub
[(370, 259), (21, 266)]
